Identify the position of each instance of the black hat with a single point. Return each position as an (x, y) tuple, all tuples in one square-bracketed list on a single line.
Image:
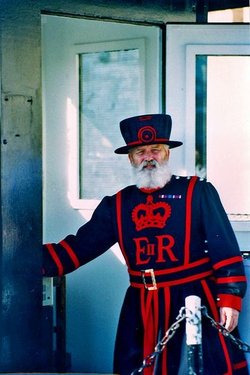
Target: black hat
[(146, 130)]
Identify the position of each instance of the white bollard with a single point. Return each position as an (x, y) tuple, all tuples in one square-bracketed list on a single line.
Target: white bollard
[(193, 320), (194, 335)]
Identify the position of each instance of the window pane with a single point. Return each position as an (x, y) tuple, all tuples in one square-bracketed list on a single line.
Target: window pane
[(110, 90), (224, 126)]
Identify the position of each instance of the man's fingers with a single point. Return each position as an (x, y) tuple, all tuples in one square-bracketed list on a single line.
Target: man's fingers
[(229, 318)]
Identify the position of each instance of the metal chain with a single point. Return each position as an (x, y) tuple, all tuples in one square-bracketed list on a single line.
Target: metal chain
[(150, 359), (241, 345)]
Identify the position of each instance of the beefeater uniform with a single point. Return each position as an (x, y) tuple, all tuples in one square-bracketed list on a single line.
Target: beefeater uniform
[(177, 241)]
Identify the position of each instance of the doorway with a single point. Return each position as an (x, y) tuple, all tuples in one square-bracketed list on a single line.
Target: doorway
[(95, 73)]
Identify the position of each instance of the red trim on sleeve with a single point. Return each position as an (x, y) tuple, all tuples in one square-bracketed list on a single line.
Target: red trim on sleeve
[(239, 365), (229, 300), (227, 262), (71, 253), (55, 258), (231, 279), (188, 218)]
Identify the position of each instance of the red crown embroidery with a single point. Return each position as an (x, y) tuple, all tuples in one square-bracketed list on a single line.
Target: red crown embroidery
[(151, 214)]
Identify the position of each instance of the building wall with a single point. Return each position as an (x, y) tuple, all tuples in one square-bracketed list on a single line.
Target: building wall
[(23, 337)]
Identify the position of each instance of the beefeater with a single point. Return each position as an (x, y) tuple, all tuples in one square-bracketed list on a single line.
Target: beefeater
[(177, 241)]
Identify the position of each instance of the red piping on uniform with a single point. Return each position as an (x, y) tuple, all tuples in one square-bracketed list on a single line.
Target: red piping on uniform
[(227, 262), (239, 365), (156, 315), (155, 140), (231, 279), (176, 282), (167, 308), (150, 314), (188, 218), (55, 258), (145, 118), (217, 318), (119, 224), (71, 253), (230, 301), (174, 269), (149, 190)]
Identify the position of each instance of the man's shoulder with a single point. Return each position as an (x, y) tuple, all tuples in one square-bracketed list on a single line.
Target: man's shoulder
[(185, 183), (127, 189), (187, 179)]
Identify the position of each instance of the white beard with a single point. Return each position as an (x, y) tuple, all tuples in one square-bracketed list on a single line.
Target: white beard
[(154, 178)]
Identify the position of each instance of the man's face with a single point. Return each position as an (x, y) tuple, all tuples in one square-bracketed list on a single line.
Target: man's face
[(148, 154)]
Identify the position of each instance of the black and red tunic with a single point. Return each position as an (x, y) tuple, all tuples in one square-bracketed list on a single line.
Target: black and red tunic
[(176, 241)]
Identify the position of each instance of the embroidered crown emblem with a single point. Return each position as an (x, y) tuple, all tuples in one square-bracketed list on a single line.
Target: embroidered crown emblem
[(151, 214)]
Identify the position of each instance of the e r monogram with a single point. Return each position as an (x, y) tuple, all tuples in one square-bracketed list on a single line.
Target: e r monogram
[(160, 252)]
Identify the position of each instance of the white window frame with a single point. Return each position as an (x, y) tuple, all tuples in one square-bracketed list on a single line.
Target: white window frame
[(183, 44), (189, 139), (191, 52), (73, 116)]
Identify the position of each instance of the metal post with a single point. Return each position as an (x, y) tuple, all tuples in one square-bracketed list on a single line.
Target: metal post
[(194, 335)]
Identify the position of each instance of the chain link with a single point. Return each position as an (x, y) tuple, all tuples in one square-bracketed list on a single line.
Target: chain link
[(241, 345), (150, 359)]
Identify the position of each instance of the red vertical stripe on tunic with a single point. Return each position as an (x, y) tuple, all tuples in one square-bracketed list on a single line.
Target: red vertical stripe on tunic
[(150, 316), (217, 318), (119, 224), (167, 308), (188, 218)]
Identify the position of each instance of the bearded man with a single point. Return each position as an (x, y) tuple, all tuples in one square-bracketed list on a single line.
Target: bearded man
[(177, 241)]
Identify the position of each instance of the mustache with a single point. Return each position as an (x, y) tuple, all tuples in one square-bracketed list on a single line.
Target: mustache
[(147, 163), (154, 177)]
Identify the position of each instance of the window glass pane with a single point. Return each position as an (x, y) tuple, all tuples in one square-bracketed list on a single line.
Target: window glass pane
[(224, 127), (110, 90)]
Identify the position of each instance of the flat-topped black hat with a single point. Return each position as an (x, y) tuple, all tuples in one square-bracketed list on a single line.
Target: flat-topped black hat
[(146, 130)]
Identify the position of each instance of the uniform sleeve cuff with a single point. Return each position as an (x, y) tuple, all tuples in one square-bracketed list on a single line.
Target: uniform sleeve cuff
[(229, 300)]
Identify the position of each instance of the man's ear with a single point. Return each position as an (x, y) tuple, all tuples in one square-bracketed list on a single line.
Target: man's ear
[(168, 153), (130, 158)]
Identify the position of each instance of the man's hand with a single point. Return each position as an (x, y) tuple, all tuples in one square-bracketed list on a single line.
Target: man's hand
[(229, 318)]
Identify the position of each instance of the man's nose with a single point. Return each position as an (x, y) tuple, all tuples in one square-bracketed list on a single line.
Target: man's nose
[(148, 156)]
